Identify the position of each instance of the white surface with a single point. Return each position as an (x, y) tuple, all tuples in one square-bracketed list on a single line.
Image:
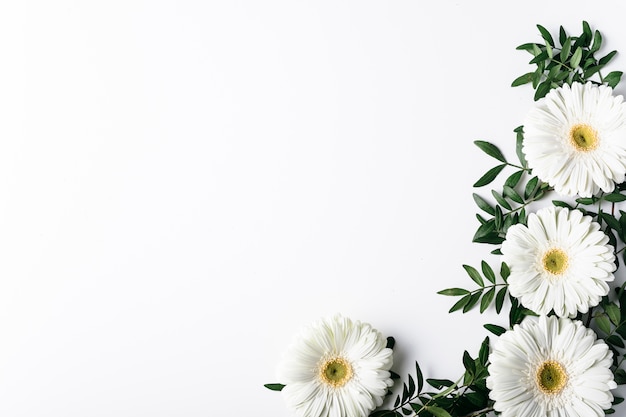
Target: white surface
[(184, 184)]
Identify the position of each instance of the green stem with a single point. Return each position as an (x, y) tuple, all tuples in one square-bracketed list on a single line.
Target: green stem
[(518, 167), (479, 412), (589, 316), (536, 198)]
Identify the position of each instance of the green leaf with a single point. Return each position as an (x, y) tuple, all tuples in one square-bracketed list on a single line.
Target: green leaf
[(481, 219), (497, 330), (514, 179), (391, 342), (519, 142), (605, 59), (539, 58), (500, 300), (468, 363), (555, 69), (586, 33), (437, 412), (411, 387), (522, 215), (474, 275), (613, 78), (592, 70), (439, 383), (490, 149), (505, 272), (528, 47), (488, 272), (537, 76), (510, 221), (420, 377), (620, 377), (405, 393), (531, 186), (483, 353), (501, 200), (453, 291), (512, 194), (615, 197), (562, 35), (575, 61), (489, 176), (589, 61), (472, 301), (587, 201), (522, 79), (615, 340), (559, 203), (486, 233), (549, 51), (612, 311), (274, 387), (460, 304), (487, 299), (396, 402), (611, 221), (622, 223), (498, 217), (567, 45), (483, 204), (542, 90), (603, 323), (546, 35), (560, 77), (517, 313), (597, 42), (493, 239)]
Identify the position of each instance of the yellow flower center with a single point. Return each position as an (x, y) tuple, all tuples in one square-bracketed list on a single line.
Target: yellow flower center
[(555, 261), (335, 371), (551, 377), (583, 137)]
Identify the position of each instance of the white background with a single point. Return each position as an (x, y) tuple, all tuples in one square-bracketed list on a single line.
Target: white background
[(185, 184)]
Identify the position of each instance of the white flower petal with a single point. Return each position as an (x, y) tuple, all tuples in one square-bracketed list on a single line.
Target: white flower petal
[(519, 353), (589, 258), (360, 345), (552, 155)]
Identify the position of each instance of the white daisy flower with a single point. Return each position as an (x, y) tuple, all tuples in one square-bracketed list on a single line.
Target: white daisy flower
[(575, 139), (561, 261), (336, 368), (550, 367)]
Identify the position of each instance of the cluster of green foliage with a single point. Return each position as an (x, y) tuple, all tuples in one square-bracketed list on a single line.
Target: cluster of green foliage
[(468, 396), (573, 59)]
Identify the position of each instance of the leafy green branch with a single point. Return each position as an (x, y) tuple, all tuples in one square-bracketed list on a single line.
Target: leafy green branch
[(520, 189), (572, 59), (467, 397), (486, 292)]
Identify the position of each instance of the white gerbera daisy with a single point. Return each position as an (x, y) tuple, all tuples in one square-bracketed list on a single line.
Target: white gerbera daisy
[(575, 139), (550, 367), (336, 368), (561, 261)]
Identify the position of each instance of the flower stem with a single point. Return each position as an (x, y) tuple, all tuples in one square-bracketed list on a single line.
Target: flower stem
[(479, 412)]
